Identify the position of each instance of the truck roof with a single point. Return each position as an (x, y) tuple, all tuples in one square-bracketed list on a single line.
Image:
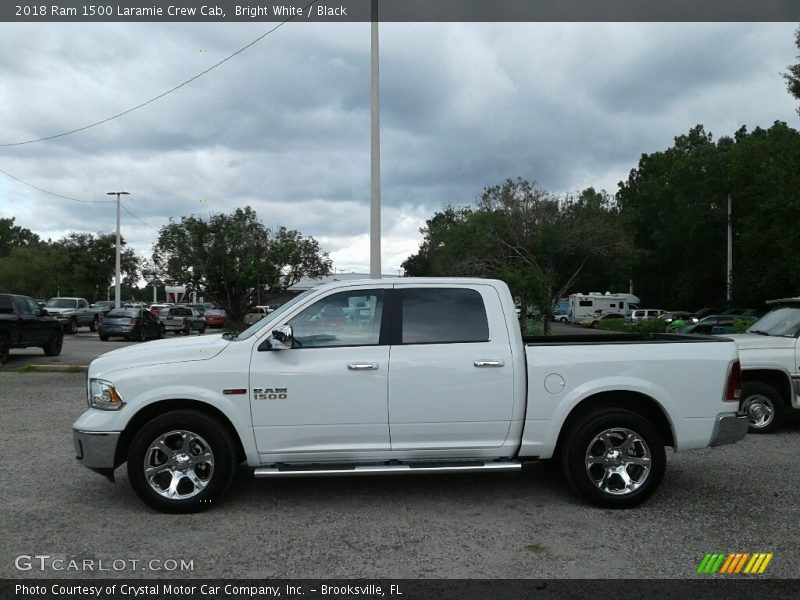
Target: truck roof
[(419, 280), (795, 300)]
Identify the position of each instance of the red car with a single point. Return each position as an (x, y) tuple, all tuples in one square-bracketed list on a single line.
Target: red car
[(215, 318)]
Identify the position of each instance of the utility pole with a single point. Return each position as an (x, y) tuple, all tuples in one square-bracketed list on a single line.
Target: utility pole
[(730, 255), (116, 275), (375, 155)]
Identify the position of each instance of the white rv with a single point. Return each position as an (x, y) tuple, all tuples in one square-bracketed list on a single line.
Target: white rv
[(585, 306)]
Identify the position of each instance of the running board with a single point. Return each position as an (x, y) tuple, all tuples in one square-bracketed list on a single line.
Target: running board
[(318, 470)]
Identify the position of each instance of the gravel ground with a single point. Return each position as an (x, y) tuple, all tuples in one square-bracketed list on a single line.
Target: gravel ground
[(743, 497)]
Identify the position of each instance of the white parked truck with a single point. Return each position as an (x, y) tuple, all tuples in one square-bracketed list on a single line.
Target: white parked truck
[(404, 376), (770, 355)]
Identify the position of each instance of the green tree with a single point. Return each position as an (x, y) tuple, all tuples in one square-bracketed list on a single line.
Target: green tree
[(538, 243), (91, 265), (229, 256), (36, 270), (12, 236), (793, 76)]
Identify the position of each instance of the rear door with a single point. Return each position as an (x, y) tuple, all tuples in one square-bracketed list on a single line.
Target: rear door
[(451, 373)]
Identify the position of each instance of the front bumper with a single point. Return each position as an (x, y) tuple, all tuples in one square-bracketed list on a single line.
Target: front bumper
[(729, 428), (97, 450)]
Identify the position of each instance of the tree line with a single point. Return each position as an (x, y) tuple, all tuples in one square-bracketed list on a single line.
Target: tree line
[(665, 229), (229, 259)]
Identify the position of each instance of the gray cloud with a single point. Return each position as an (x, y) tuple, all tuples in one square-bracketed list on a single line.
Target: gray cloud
[(284, 127)]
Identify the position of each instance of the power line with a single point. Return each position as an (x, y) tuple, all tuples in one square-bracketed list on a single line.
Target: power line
[(53, 193), (177, 87), (125, 208)]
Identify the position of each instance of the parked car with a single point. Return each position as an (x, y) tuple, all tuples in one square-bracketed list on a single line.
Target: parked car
[(103, 306), (676, 319), (257, 313), (131, 323), (215, 317), (73, 313), (707, 312), (716, 325), (180, 319), (23, 323), (561, 316), (154, 308), (604, 317), (770, 355), (308, 391), (645, 313)]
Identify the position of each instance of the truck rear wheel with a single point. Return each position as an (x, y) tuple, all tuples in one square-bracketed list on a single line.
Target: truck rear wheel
[(181, 461), (614, 458), (54, 344), (764, 407), (93, 325)]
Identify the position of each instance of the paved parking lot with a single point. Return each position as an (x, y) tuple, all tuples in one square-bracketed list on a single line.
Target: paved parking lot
[(734, 498)]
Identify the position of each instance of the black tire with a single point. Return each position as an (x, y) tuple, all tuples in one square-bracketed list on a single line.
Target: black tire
[(594, 324), (93, 325), (73, 326), (583, 440), (188, 330), (202, 329), (214, 437), (103, 337), (5, 348), (54, 344), (162, 331), (765, 407), (142, 337)]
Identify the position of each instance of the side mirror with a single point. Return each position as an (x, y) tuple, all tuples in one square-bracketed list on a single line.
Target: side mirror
[(42, 312), (281, 338)]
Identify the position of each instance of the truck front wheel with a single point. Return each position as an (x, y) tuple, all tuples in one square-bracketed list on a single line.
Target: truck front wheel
[(181, 461), (614, 457), (764, 407), (93, 325)]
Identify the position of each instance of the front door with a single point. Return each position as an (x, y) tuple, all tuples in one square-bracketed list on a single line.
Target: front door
[(329, 392)]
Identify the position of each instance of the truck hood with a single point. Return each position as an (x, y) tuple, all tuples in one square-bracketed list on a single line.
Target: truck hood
[(59, 311), (185, 349), (754, 341)]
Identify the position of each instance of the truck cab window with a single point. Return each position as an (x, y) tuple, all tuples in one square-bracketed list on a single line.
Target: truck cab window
[(345, 319), (443, 315)]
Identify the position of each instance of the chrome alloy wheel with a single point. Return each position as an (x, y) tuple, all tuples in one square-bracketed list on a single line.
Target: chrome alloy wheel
[(178, 465), (618, 461), (760, 410)]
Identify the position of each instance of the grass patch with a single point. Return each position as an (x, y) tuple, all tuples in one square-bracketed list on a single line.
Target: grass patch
[(535, 548), (531, 327), (25, 369)]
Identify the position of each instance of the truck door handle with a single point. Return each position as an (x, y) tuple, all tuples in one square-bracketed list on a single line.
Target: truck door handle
[(362, 366), (488, 363)]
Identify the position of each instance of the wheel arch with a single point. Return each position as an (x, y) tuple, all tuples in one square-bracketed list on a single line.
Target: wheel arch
[(777, 378), (636, 402), (155, 409)]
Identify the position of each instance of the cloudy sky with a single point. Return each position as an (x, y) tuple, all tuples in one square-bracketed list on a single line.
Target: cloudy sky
[(284, 126)]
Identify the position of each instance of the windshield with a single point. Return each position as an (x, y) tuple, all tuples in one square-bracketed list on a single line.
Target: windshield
[(274, 315), (61, 303), (783, 321)]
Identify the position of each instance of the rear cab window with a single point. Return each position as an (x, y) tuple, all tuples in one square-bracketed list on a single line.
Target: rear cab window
[(442, 316)]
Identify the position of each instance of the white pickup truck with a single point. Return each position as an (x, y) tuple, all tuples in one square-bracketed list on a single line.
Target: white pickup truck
[(404, 376), (770, 355)]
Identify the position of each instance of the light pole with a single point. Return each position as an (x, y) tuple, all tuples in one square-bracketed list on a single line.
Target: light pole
[(116, 276), (375, 171)]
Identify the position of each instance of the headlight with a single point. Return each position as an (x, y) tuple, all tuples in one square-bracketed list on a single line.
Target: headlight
[(104, 396)]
